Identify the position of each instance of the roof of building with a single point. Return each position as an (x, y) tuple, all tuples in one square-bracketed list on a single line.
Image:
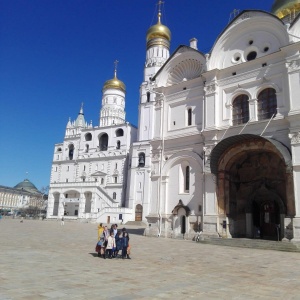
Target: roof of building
[(27, 186)]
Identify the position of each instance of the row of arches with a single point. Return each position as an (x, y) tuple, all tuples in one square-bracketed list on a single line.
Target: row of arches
[(266, 106), (119, 132)]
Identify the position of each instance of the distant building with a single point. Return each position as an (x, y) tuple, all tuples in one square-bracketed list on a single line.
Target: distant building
[(23, 195), (218, 140)]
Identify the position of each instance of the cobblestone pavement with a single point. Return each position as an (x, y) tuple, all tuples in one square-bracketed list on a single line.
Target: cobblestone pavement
[(44, 260)]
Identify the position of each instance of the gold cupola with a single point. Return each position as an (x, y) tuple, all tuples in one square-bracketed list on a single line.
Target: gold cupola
[(158, 34), (158, 31), (282, 8), (114, 83)]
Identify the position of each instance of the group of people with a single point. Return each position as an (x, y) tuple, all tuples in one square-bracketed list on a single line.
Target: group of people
[(113, 243)]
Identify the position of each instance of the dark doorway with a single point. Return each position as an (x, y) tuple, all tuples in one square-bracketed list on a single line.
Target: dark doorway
[(183, 228), (138, 212), (266, 219)]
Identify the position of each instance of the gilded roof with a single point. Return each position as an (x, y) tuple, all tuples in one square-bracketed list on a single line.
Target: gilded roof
[(281, 8)]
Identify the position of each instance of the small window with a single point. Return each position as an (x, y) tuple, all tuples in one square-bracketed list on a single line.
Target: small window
[(103, 142), (148, 96), (58, 149), (71, 151), (234, 73), (116, 179), (252, 55), (68, 168), (87, 147), (88, 137), (240, 110), (141, 159), (67, 180), (267, 104), (187, 179), (118, 145), (189, 115), (102, 180), (114, 196), (83, 168), (116, 166), (119, 132)]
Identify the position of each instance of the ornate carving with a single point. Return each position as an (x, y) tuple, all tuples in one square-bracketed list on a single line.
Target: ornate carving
[(209, 89), (293, 65)]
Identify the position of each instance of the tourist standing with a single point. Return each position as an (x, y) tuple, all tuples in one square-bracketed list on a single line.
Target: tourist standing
[(119, 242), (125, 245), (111, 244), (100, 230), (62, 221)]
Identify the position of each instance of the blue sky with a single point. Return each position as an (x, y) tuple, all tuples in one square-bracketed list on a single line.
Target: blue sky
[(55, 54)]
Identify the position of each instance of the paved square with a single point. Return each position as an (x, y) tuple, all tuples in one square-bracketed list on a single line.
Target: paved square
[(44, 260)]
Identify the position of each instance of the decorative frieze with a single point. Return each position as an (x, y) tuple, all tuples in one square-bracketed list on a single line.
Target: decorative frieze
[(293, 65), (210, 89)]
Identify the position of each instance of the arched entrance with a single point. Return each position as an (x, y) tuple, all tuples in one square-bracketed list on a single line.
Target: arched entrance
[(138, 212), (180, 214), (252, 185)]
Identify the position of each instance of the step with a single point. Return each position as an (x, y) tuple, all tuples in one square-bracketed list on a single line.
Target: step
[(253, 243), (136, 223)]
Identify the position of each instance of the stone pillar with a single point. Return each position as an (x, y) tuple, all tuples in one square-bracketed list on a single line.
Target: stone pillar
[(295, 148), (81, 205), (61, 208)]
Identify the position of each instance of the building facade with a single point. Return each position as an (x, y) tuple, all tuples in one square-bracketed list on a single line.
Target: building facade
[(217, 146), (23, 195)]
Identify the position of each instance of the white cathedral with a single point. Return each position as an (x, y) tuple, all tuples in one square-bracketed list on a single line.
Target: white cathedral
[(217, 146)]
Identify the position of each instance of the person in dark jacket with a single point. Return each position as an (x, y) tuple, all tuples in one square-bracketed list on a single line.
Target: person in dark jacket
[(119, 242), (125, 245)]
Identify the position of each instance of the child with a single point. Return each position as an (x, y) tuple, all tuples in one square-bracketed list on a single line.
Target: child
[(125, 245), (111, 243)]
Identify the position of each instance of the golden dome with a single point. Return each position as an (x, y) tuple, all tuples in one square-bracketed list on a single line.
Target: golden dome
[(158, 31), (281, 8), (114, 83)]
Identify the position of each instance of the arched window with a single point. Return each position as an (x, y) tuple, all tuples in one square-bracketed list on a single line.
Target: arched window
[(148, 96), (267, 104), (118, 145), (88, 137), (102, 180), (114, 196), (103, 142), (141, 159), (189, 117), (119, 132), (187, 179), (240, 110), (59, 149), (71, 151)]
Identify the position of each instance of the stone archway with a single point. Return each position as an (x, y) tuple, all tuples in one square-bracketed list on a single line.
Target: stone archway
[(180, 215), (252, 185)]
